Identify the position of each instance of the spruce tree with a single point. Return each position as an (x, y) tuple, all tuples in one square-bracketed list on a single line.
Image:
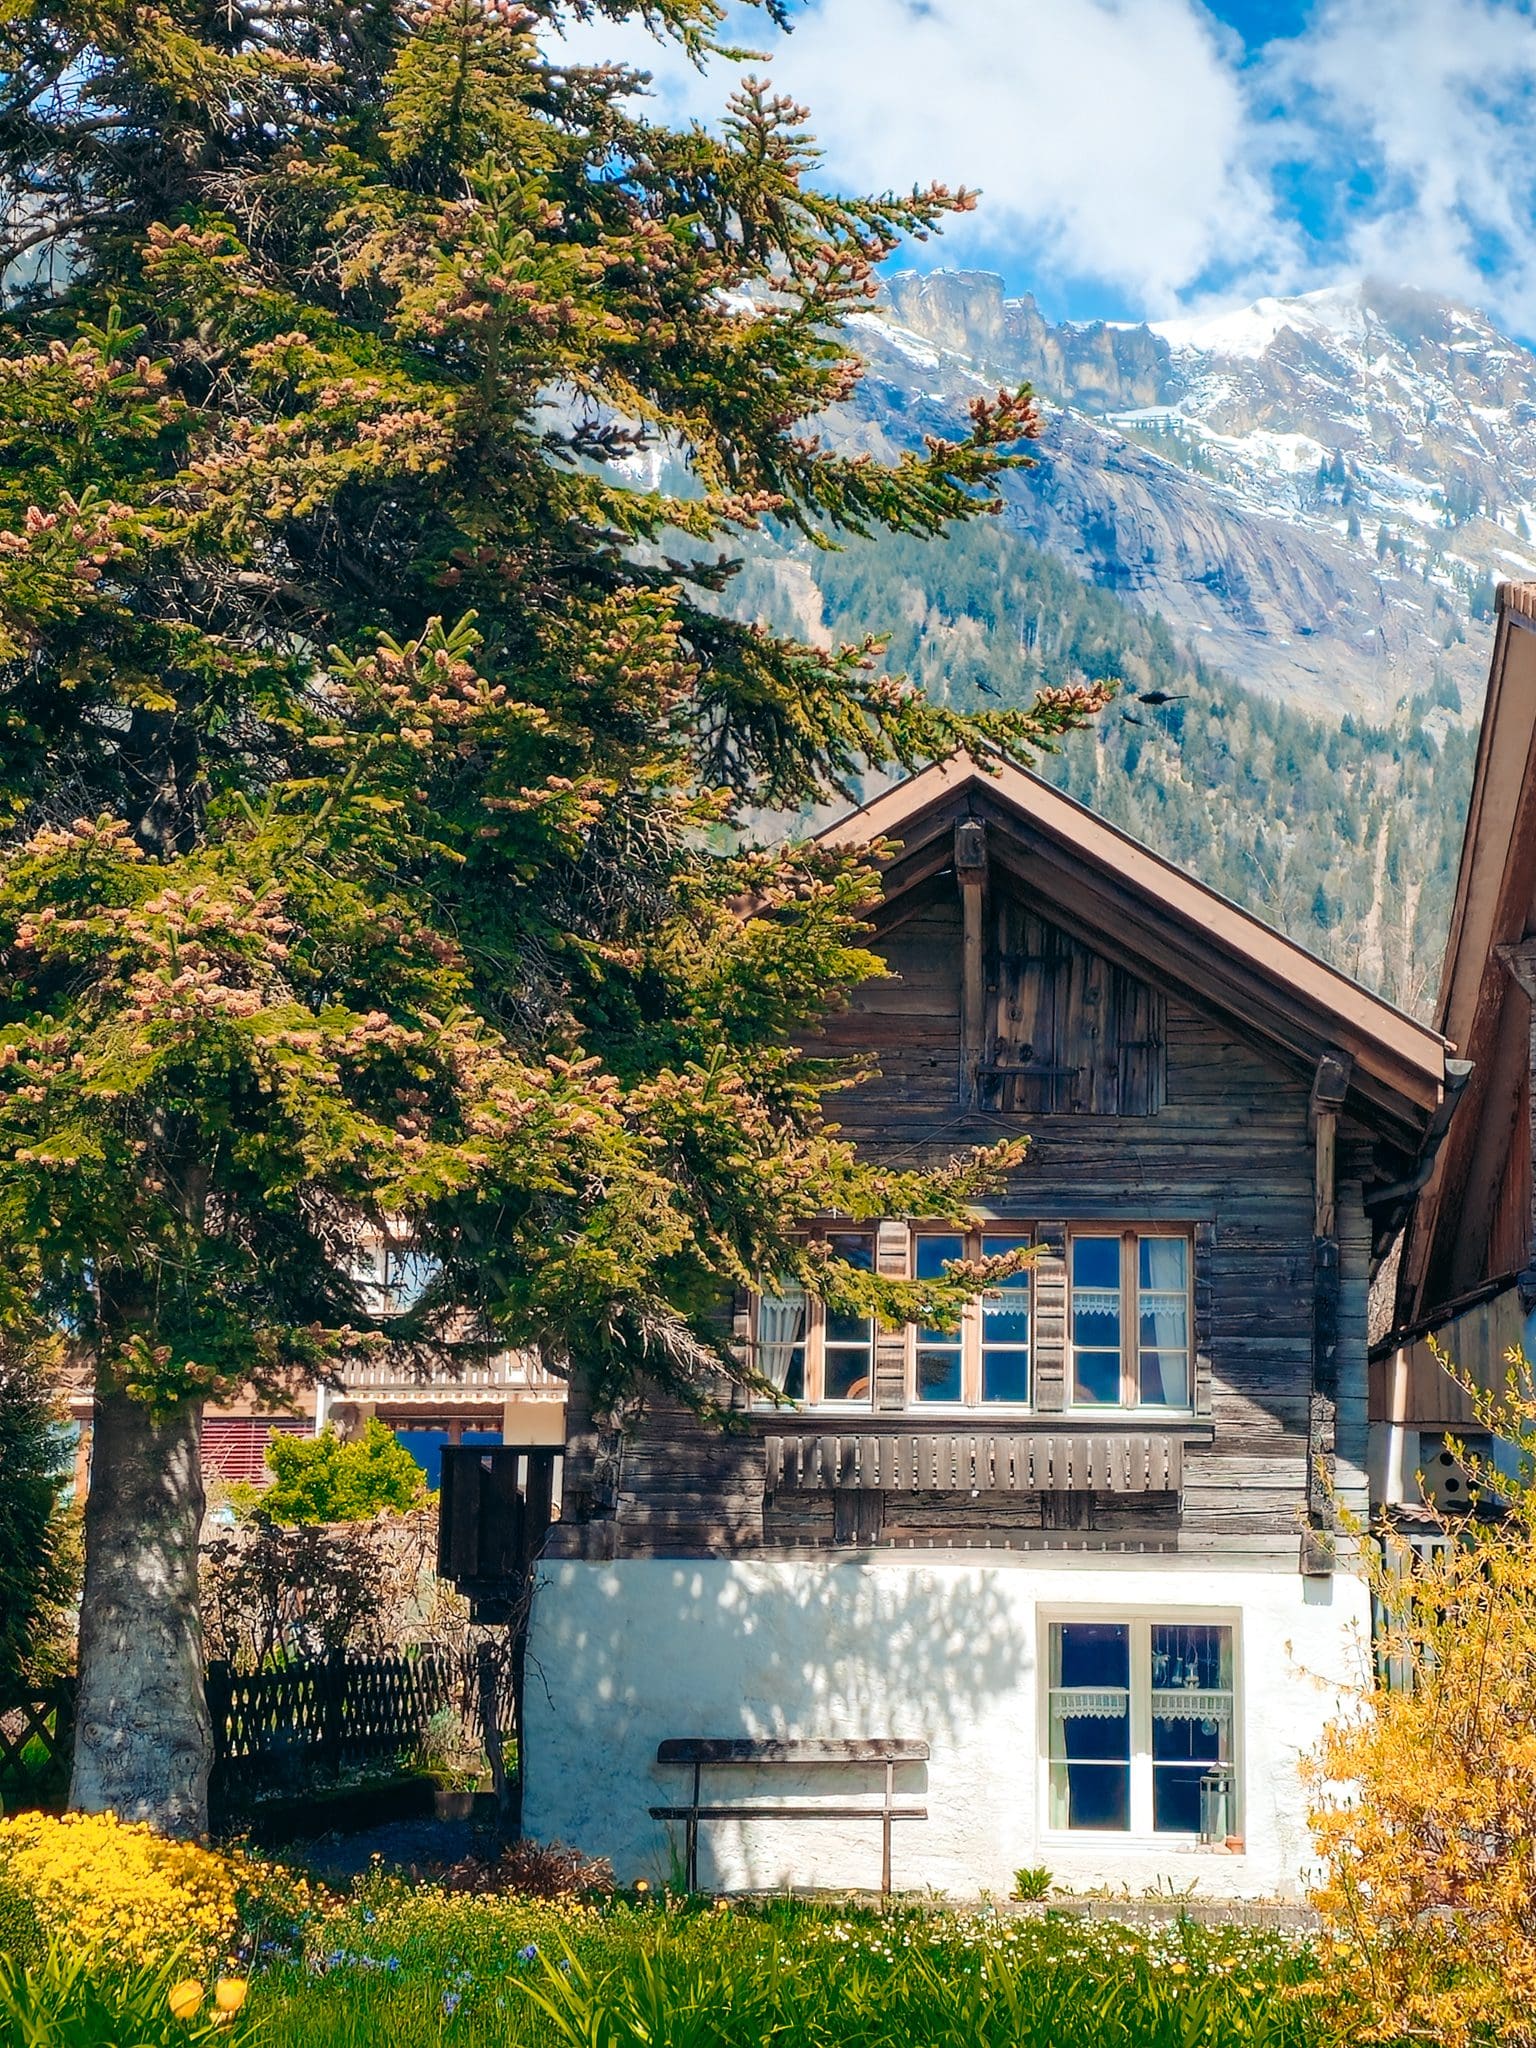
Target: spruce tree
[(381, 400)]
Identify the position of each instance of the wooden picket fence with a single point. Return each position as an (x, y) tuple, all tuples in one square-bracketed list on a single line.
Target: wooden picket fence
[(281, 1727), (271, 1729)]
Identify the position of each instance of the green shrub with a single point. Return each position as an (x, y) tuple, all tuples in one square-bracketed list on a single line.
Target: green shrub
[(321, 1479), (21, 1934), (1031, 1883)]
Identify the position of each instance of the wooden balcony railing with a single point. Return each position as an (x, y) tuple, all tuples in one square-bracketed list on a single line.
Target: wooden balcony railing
[(509, 1372), (979, 1461)]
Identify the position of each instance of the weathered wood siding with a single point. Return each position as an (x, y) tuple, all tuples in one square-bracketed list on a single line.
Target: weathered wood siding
[(1217, 1138)]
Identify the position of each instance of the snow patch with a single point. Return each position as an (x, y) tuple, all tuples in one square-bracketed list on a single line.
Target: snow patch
[(1337, 312)]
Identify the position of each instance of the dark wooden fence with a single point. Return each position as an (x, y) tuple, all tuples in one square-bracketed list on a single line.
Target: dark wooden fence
[(35, 1741), (271, 1729), (277, 1728)]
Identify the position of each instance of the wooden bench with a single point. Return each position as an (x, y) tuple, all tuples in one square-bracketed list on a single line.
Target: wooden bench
[(701, 1752)]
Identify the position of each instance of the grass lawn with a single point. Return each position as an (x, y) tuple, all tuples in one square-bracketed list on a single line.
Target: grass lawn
[(112, 1937), (398, 1966)]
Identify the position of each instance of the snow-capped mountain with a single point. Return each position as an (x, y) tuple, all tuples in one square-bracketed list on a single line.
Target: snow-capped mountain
[(1317, 492)]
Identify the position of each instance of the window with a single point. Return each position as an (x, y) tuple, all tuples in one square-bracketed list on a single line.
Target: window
[(812, 1353), (1129, 1318), (986, 1359), (392, 1275), (1128, 1326), (1140, 1728)]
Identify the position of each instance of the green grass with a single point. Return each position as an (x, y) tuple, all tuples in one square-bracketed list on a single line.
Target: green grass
[(399, 1968)]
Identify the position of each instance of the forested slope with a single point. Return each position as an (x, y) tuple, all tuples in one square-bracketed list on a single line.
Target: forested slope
[(1344, 835)]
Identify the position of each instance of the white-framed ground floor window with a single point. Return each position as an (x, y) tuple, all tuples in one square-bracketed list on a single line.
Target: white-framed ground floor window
[(1140, 1727)]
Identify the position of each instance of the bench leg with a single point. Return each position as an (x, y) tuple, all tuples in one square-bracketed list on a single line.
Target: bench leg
[(693, 1833), (885, 1831)]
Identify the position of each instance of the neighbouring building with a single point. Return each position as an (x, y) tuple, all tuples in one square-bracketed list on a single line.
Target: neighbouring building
[(1081, 1547), (506, 1397), (1466, 1281)]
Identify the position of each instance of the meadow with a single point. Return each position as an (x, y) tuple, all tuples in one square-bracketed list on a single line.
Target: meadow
[(112, 1939)]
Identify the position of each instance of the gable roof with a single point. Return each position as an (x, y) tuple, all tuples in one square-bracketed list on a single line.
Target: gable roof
[(1135, 907), (1471, 1223)]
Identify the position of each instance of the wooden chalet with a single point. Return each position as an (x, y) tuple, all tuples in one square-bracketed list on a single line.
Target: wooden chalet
[(1467, 1277), (1078, 1552)]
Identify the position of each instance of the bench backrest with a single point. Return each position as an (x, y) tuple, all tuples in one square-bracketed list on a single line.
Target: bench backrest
[(734, 1749)]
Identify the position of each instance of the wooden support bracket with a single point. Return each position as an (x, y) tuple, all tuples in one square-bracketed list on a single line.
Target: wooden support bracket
[(1330, 1087)]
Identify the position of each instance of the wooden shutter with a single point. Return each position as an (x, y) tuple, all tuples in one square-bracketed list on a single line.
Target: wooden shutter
[(1048, 1286), (893, 1253)]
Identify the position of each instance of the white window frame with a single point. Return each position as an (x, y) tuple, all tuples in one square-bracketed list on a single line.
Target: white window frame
[(1130, 1236), (1140, 1622), (968, 1338)]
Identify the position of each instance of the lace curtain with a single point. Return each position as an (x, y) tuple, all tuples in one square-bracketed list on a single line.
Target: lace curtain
[(780, 1330)]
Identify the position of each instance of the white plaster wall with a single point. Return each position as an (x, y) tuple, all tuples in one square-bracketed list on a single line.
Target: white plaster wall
[(625, 1655)]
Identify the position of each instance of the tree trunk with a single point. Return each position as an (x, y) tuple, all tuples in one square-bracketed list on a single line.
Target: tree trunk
[(143, 1745)]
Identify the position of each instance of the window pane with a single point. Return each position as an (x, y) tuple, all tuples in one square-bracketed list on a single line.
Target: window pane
[(1165, 1322), (1097, 1378), (1005, 1376), (1088, 1796), (781, 1323), (1006, 1321), (853, 1248), (1192, 1714), (933, 1253), (1163, 1329), (1096, 1262), (1191, 1656), (938, 1373), (1165, 1264), (846, 1372), (1092, 1653), (846, 1329), (1096, 1320), (1165, 1379), (1005, 1326), (1090, 1729)]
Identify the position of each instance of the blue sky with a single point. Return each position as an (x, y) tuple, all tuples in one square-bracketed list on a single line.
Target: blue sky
[(1144, 158)]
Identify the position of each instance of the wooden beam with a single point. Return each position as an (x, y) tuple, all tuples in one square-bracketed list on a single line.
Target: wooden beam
[(971, 875)]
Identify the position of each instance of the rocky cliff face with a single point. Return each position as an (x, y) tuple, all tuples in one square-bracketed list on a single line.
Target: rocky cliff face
[(1317, 492)]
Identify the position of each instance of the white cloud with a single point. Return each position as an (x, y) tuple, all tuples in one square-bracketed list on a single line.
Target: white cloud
[(1436, 101), (1107, 136), (1131, 144)]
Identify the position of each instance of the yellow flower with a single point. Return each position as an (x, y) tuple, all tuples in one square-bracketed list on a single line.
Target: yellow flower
[(184, 1998), (229, 1994), (641, 1885), (119, 1894)]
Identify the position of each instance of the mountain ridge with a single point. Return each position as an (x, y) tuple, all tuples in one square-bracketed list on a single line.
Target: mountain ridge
[(1318, 493)]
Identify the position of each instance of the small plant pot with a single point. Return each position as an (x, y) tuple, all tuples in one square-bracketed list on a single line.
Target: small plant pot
[(453, 1805)]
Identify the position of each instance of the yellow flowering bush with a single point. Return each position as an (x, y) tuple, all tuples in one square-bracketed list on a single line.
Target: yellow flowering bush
[(118, 1892), (1424, 1798)]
